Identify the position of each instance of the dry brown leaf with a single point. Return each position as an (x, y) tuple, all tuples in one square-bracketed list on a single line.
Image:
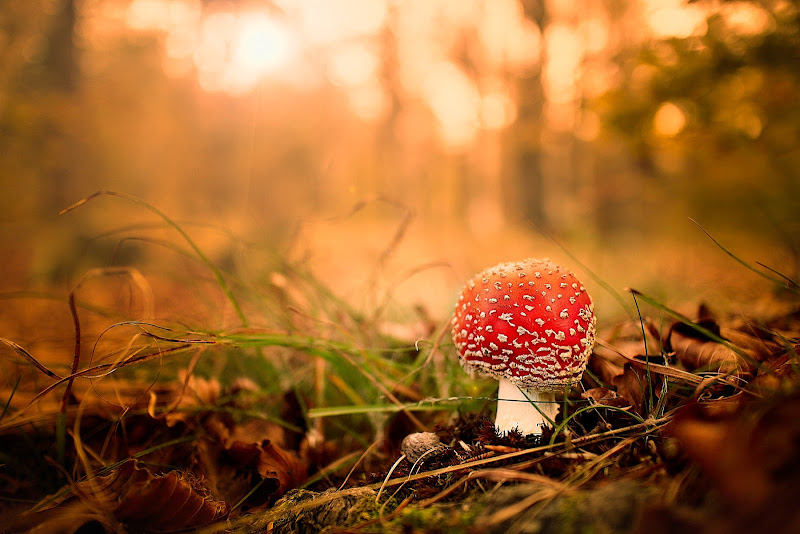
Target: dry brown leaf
[(605, 366), (740, 356), (159, 503), (698, 354), (132, 496), (695, 352), (236, 458), (637, 387), (270, 461)]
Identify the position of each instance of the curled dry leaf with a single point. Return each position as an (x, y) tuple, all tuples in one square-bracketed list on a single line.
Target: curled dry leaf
[(284, 466), (261, 444), (235, 460), (161, 503), (696, 352), (138, 499), (638, 386)]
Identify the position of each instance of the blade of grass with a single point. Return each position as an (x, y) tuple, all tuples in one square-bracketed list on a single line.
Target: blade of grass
[(791, 282), (650, 393), (560, 428), (10, 397), (599, 281), (223, 284), (61, 420), (377, 408), (781, 282), (693, 325), (29, 358)]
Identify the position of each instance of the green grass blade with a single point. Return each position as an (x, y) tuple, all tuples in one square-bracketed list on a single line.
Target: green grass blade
[(693, 325), (783, 282), (422, 406)]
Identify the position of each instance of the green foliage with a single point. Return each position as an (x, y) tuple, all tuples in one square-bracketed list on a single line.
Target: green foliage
[(739, 94)]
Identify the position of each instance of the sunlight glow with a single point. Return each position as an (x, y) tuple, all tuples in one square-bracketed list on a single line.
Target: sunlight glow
[(455, 101), (508, 37), (563, 67), (239, 49), (457, 59), (324, 22), (353, 65), (669, 120), (746, 18), (497, 111), (233, 47), (261, 45), (674, 19)]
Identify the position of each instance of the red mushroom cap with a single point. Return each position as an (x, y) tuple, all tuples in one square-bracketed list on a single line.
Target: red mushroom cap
[(530, 322)]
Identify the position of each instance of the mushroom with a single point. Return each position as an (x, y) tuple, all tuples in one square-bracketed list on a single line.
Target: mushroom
[(531, 325)]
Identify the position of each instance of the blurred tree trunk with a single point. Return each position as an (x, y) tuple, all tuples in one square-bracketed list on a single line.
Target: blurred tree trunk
[(391, 172), (525, 192), (60, 61), (60, 82)]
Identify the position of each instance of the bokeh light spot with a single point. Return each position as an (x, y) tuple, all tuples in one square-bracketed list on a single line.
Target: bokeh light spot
[(669, 120)]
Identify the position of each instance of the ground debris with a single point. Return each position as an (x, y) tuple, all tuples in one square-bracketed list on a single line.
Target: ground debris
[(612, 507), (302, 511)]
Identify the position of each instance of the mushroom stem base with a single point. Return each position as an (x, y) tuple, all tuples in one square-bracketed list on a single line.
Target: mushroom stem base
[(526, 410)]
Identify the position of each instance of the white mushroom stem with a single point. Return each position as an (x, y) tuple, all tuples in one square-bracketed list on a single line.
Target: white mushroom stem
[(526, 410)]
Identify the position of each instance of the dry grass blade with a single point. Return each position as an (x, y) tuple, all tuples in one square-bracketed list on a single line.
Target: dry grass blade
[(664, 370), (591, 468), (649, 426), (98, 371), (29, 358), (545, 494)]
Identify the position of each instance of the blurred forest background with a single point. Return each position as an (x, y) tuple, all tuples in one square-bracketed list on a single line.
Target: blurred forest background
[(396, 147)]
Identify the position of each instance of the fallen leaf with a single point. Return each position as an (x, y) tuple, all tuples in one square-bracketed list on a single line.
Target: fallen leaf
[(605, 366), (696, 351), (237, 458), (639, 387), (135, 497)]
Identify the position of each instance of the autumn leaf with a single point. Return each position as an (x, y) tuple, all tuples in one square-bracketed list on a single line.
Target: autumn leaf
[(739, 357), (638, 386), (160, 503), (235, 459), (133, 497)]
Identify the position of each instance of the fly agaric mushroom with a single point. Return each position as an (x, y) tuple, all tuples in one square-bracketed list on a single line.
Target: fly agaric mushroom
[(531, 325)]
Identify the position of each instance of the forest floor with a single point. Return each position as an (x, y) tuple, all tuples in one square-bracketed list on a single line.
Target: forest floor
[(114, 421)]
